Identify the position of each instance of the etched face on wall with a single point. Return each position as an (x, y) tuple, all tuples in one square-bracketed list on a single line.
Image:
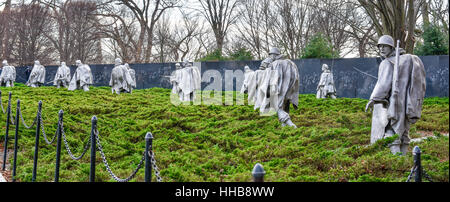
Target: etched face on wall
[(385, 50)]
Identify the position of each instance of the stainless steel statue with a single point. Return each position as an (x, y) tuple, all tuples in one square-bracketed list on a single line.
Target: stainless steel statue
[(62, 77), (326, 88), (8, 75), (121, 79), (82, 78), (279, 87), (175, 79), (188, 81), (398, 95), (37, 75)]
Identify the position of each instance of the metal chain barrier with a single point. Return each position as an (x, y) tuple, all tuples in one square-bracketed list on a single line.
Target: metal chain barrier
[(413, 170), (154, 166), (100, 148), (43, 131), (427, 176), (67, 145), (23, 121), (1, 104)]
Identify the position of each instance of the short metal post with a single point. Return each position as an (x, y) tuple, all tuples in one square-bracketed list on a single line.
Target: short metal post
[(93, 147), (36, 143), (58, 145), (16, 138), (417, 164), (258, 173), (148, 163), (8, 114)]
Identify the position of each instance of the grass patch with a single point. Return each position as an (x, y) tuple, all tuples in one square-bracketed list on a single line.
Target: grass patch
[(219, 142)]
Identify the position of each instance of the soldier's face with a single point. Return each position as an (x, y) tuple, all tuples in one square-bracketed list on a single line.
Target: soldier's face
[(385, 50)]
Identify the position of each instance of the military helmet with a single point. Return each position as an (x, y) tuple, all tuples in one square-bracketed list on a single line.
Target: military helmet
[(387, 40), (275, 51)]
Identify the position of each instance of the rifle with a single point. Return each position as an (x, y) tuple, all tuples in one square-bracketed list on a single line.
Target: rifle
[(365, 73), (395, 74)]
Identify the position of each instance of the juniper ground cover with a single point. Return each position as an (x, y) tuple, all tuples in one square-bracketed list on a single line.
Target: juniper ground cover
[(216, 143)]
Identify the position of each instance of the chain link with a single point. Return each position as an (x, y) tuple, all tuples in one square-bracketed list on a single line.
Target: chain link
[(1, 103), (413, 170), (155, 167), (100, 148), (23, 121), (43, 130), (427, 176), (67, 145)]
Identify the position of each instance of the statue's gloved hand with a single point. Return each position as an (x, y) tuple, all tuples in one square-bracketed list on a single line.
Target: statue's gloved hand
[(369, 105)]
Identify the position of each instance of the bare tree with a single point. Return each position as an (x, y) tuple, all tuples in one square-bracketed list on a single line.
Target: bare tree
[(293, 24), (396, 18), (135, 38), (5, 30), (30, 22), (254, 25), (220, 14), (75, 35)]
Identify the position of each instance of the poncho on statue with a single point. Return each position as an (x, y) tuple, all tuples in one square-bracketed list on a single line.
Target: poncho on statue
[(249, 84), (62, 77), (121, 79), (132, 75), (326, 88), (8, 75), (398, 95), (37, 75), (190, 80), (175, 78), (82, 78), (280, 87)]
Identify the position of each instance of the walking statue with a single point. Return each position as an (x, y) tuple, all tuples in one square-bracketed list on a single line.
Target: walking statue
[(189, 81), (249, 83), (175, 78), (82, 78), (326, 87), (121, 80), (398, 95), (133, 76), (280, 86), (62, 77), (37, 75), (8, 75)]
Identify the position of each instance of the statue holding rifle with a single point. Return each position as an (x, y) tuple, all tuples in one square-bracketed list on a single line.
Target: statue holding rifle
[(398, 95)]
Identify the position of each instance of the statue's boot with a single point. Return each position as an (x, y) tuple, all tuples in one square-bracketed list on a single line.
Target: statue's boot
[(395, 148), (86, 88), (404, 148), (289, 123)]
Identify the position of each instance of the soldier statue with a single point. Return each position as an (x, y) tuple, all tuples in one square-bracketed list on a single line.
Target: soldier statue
[(37, 75), (326, 87), (280, 86), (82, 78), (398, 95), (8, 75), (62, 77)]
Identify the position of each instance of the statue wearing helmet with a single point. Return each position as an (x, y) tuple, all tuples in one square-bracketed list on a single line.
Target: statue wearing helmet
[(62, 76), (82, 77), (37, 75), (188, 80), (326, 84), (398, 95), (121, 79), (279, 87), (8, 75)]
